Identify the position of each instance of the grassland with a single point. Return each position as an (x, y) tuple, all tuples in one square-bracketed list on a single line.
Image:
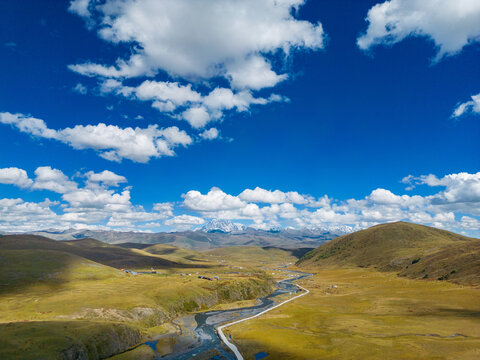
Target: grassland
[(370, 315), (43, 291), (414, 251), (254, 256)]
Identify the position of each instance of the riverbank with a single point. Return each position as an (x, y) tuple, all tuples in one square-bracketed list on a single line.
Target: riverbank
[(365, 314), (206, 340)]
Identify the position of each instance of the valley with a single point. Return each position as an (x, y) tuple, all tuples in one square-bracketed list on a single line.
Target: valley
[(86, 299)]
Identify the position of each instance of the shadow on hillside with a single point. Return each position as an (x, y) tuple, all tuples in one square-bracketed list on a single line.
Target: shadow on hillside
[(298, 253), (22, 269), (94, 250), (470, 313)]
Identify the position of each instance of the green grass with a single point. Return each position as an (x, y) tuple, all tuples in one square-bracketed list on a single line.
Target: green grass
[(40, 285), (371, 315), (65, 340), (253, 256), (415, 251), (44, 291), (143, 352), (90, 249), (176, 254)]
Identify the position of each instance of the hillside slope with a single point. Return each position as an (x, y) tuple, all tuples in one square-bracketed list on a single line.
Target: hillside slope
[(90, 249), (415, 251)]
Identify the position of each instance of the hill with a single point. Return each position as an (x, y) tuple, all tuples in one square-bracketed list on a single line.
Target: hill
[(175, 253), (90, 249), (57, 304), (256, 255), (415, 251)]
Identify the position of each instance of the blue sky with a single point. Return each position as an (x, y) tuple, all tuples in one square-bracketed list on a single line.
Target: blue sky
[(303, 114)]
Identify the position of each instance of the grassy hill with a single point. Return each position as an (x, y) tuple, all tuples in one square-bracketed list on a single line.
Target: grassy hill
[(177, 254), (249, 255), (62, 300), (90, 249), (415, 251)]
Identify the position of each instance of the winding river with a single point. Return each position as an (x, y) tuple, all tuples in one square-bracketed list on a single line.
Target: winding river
[(206, 323)]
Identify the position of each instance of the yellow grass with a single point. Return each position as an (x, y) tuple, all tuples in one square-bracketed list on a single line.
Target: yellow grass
[(371, 315)]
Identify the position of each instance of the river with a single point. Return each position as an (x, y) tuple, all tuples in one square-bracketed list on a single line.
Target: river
[(204, 325)]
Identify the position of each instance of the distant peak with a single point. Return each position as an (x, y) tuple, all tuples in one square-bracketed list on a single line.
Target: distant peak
[(219, 225)]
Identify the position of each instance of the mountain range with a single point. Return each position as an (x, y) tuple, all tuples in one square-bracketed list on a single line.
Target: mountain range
[(213, 234)]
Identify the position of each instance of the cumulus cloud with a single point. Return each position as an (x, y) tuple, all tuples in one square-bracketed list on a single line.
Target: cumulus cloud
[(180, 101), (102, 202), (255, 72), (184, 220), (110, 141), (260, 195), (20, 215), (241, 44), (459, 188), (53, 180), (202, 39), (105, 177), (210, 134), (197, 116), (15, 176), (451, 25), (28, 124), (93, 205), (214, 200), (460, 195)]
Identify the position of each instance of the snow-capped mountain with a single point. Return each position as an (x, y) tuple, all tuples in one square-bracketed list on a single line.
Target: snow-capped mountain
[(224, 226), (333, 229)]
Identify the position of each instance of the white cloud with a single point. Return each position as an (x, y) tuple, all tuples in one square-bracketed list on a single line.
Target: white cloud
[(164, 208), (115, 143), (459, 188), (197, 116), (165, 91), (28, 124), (386, 197), (201, 39), (182, 102), (19, 215), (471, 106), (110, 141), (451, 25), (260, 195), (241, 43), (80, 88), (15, 176), (255, 72), (80, 7), (454, 206), (214, 200), (53, 180), (461, 195), (105, 177), (98, 199), (209, 134), (184, 220)]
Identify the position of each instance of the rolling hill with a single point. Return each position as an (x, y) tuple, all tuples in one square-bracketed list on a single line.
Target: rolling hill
[(90, 249), (414, 251)]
